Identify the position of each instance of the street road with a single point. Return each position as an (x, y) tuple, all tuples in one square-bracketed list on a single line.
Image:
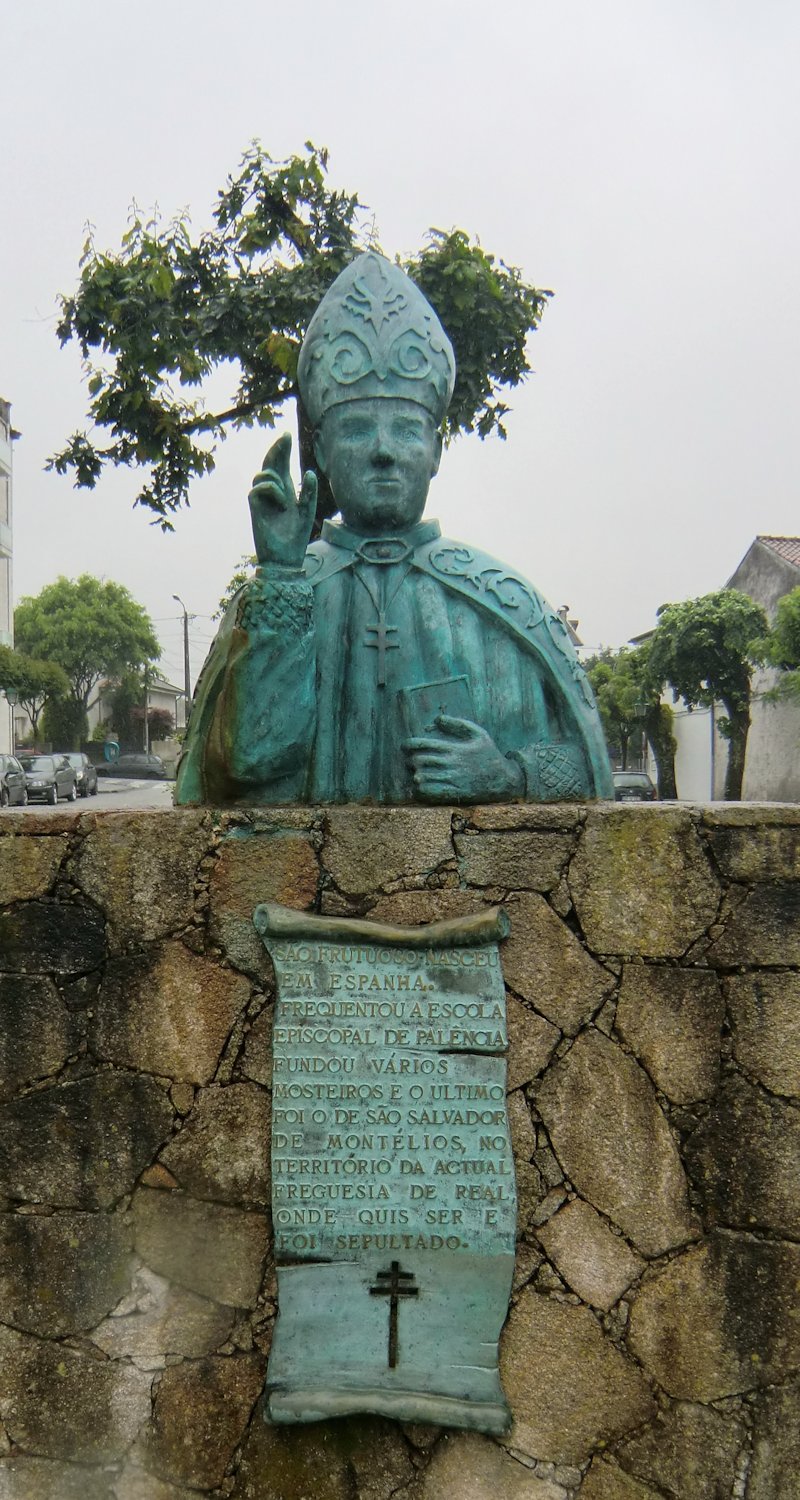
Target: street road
[(112, 796)]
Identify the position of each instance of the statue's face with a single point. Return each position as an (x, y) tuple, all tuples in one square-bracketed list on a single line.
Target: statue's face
[(379, 455)]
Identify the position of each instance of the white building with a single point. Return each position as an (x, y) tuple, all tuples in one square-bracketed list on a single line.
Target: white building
[(769, 569)]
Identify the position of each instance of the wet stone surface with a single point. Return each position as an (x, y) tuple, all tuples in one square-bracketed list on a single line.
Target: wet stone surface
[(651, 1350)]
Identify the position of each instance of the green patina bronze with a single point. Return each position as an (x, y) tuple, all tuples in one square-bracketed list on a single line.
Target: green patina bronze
[(393, 1194), (383, 663)]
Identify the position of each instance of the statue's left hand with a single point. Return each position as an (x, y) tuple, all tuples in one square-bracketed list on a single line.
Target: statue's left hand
[(462, 762)]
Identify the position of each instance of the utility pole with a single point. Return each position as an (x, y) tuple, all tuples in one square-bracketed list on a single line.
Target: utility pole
[(187, 676), (146, 710)]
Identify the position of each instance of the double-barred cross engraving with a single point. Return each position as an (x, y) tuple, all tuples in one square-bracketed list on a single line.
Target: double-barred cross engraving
[(382, 644), (394, 1285)]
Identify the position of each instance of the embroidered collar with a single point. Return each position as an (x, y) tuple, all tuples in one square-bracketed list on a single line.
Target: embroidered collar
[(380, 549)]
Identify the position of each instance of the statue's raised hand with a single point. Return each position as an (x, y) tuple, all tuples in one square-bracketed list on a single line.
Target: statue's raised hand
[(282, 521)]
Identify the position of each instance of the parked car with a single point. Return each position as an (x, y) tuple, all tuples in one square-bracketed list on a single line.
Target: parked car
[(85, 773), (13, 790), (49, 777), (633, 786), (136, 766)]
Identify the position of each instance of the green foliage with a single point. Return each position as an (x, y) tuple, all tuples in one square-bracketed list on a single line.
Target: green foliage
[(706, 649), (89, 628), (35, 682), (488, 312), (160, 723), (782, 647), (628, 695), (237, 580), (618, 695), (64, 723), (156, 318), (126, 700)]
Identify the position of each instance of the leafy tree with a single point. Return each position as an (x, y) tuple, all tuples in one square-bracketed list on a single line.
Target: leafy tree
[(782, 647), (240, 575), (160, 723), (125, 701), (706, 649), (629, 700), (91, 629), (64, 723), (616, 691), (36, 682), (156, 318)]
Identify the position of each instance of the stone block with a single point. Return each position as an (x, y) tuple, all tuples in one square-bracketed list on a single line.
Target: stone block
[(277, 864), (155, 1320), (82, 1144), (215, 1251), (256, 1058), (523, 1135), (596, 1263), (719, 1319), (222, 1152), (641, 881), (743, 1159), (59, 1403), (366, 848), (604, 1481), (594, 1394), (517, 859), (531, 1042), (672, 1018), (763, 929), (355, 1456), (380, 1462), (614, 1143), (28, 867), (775, 1469), (689, 1450), (474, 1468), (141, 868), (201, 1411), (190, 1004), (530, 1194), (765, 1012), (545, 964), (60, 1273), (134, 1484), (37, 1031), (537, 816), (48, 937), (416, 908), (757, 852), (49, 1479)]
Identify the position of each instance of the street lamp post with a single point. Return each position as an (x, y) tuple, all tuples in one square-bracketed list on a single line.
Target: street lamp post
[(187, 677), (12, 698)]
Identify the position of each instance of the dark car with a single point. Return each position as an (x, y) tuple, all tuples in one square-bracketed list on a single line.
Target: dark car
[(49, 777), (13, 789), (136, 766), (85, 773), (633, 786)]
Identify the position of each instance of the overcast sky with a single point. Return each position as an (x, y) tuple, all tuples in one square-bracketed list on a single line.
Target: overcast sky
[(639, 157)]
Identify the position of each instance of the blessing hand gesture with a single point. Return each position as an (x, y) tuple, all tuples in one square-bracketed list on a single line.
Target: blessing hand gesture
[(282, 521)]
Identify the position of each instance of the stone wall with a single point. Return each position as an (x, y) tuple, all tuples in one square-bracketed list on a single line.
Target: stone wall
[(653, 972)]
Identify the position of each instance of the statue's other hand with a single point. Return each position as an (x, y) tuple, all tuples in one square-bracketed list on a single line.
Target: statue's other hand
[(461, 761), (282, 521)]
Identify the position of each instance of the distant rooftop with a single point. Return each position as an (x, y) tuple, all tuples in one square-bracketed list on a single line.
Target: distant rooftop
[(787, 547)]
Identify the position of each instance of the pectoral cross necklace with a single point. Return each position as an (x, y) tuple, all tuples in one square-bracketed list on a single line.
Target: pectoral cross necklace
[(378, 634)]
